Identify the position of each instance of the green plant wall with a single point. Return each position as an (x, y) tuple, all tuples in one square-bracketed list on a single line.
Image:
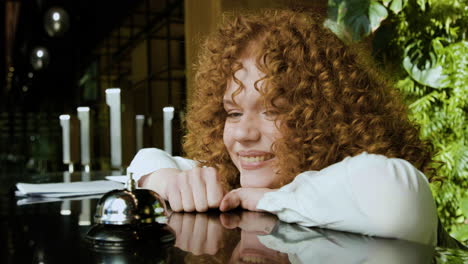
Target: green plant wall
[(423, 44)]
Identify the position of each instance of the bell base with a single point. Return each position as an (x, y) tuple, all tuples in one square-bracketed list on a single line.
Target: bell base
[(121, 237)]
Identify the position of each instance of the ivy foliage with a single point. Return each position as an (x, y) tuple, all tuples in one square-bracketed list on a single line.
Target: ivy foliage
[(423, 44)]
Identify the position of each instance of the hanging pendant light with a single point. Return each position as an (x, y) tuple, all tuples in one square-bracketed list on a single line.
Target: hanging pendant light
[(39, 58), (56, 22)]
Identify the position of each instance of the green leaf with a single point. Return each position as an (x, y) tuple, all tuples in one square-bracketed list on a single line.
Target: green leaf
[(355, 18), (397, 5), (425, 102), (422, 4), (460, 232), (386, 2), (464, 205), (339, 29), (431, 76), (377, 13)]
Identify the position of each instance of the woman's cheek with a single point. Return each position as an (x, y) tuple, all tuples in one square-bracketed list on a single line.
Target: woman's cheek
[(227, 135), (228, 139)]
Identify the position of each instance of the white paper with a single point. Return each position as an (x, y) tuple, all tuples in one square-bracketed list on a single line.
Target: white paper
[(118, 178), (57, 190), (35, 200)]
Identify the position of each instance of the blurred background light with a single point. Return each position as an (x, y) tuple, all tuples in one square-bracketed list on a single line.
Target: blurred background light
[(39, 58), (56, 22)]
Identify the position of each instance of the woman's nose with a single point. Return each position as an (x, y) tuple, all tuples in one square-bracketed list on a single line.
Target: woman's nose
[(247, 129)]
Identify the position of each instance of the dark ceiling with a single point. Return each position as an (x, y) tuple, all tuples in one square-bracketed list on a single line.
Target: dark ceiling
[(54, 88)]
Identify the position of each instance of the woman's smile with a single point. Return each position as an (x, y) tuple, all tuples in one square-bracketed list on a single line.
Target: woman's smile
[(252, 160)]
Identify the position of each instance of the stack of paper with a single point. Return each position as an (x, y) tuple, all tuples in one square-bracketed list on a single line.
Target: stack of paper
[(38, 199), (118, 178), (68, 189)]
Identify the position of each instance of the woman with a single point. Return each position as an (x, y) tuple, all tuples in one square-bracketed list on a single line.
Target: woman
[(289, 120)]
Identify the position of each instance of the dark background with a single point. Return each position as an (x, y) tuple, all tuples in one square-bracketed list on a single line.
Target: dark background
[(55, 89), (104, 38)]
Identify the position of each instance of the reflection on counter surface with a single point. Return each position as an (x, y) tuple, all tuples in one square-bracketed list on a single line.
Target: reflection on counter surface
[(251, 237), (40, 233)]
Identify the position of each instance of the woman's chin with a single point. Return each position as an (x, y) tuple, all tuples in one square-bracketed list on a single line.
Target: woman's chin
[(252, 179)]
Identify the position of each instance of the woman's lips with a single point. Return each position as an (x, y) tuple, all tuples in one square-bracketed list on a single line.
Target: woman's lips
[(253, 160)]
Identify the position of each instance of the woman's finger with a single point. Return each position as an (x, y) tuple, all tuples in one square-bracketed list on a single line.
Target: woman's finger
[(230, 201), (198, 190), (174, 198), (247, 198), (185, 192), (214, 189)]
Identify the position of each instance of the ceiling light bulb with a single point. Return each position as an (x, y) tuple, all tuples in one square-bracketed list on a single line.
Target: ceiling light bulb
[(56, 16)]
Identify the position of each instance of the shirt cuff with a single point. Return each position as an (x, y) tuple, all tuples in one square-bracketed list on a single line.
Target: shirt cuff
[(150, 160), (285, 206)]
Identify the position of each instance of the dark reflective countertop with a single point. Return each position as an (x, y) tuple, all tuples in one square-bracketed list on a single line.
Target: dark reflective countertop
[(33, 231)]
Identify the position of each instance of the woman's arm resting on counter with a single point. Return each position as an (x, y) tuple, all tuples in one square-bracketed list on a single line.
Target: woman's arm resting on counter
[(179, 181), (149, 160), (367, 194)]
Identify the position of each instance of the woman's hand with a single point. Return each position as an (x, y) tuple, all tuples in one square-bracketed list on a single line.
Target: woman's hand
[(246, 198), (197, 189), (158, 180)]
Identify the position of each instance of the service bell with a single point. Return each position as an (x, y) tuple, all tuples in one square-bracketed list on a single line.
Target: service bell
[(129, 215), (130, 206)]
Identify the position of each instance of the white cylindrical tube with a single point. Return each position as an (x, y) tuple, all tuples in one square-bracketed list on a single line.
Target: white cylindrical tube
[(83, 116), (113, 101), (66, 152), (85, 215), (168, 113), (140, 122), (66, 205)]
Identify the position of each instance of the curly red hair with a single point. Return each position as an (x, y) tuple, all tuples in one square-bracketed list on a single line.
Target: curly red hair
[(337, 105)]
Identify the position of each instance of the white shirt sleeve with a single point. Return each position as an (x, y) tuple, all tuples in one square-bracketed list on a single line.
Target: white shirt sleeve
[(367, 194), (150, 160)]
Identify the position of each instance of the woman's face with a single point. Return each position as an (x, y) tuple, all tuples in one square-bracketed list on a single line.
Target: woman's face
[(250, 129)]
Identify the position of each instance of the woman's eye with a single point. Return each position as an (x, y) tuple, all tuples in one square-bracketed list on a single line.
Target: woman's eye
[(271, 113), (234, 114)]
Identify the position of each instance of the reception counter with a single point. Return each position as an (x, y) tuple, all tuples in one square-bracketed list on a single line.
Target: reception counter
[(54, 231)]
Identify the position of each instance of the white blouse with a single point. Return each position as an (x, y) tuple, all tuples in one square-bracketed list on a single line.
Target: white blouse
[(368, 194)]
